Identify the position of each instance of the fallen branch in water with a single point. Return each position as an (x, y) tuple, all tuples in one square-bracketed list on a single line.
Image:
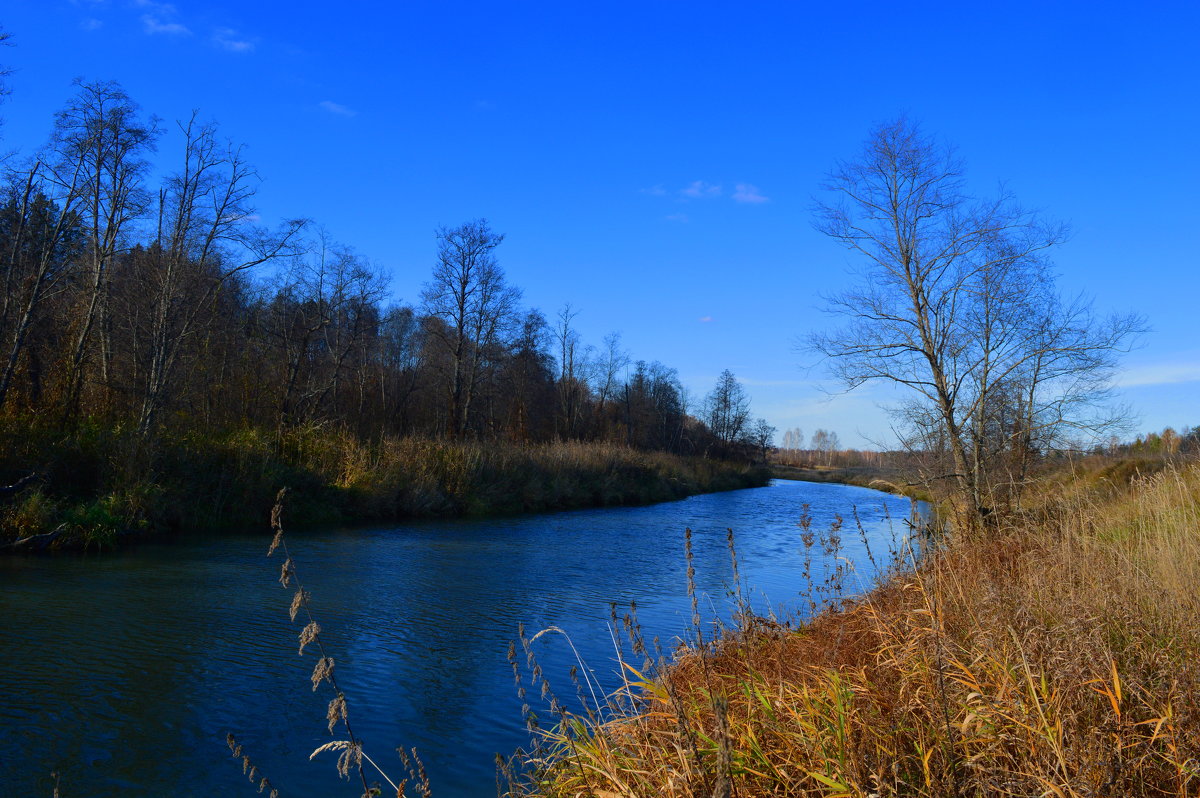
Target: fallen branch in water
[(9, 490)]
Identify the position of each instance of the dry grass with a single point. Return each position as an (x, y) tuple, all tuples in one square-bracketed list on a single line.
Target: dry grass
[(353, 760), (228, 479), (419, 477), (1058, 657)]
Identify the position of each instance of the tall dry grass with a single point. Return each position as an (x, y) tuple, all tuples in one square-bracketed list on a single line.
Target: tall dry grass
[(90, 491), (1057, 656), (408, 477), (353, 761)]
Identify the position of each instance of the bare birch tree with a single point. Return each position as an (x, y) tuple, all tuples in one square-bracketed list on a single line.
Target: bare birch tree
[(207, 235), (956, 304), (469, 295), (99, 152)]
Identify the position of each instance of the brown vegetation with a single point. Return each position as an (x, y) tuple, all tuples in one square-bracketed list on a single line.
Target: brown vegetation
[(1055, 656), (157, 339), (90, 492)]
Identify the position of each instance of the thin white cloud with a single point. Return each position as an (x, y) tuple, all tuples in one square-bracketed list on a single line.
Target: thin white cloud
[(153, 26), (228, 39), (774, 383), (655, 191), (682, 218), (159, 19), (698, 189), (1159, 374), (705, 319), (91, 24), (746, 193), (336, 108)]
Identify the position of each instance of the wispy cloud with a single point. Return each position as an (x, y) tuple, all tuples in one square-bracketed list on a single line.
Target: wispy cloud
[(682, 218), (90, 24), (153, 25), (753, 383), (1159, 374), (336, 108), (160, 19), (229, 39), (703, 190), (698, 189), (746, 193)]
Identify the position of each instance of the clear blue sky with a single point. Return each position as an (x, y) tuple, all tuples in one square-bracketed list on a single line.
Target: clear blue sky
[(653, 163)]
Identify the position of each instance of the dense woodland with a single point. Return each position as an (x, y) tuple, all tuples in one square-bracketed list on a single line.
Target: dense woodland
[(141, 311), (163, 303)]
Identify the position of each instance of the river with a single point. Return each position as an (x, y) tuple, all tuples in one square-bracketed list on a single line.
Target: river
[(124, 672)]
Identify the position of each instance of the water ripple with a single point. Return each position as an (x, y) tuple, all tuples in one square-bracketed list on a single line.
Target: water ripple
[(125, 672)]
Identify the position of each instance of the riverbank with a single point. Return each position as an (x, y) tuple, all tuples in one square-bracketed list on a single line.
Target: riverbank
[(96, 487), (1055, 656), (889, 480)]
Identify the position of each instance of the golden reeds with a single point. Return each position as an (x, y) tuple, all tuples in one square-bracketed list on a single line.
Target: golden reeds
[(1056, 656), (351, 753)]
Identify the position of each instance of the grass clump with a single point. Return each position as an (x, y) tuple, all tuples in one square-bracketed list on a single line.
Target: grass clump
[(1056, 656)]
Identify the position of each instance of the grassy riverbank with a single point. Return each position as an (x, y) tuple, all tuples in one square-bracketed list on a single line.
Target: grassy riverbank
[(96, 485), (890, 480), (1056, 656)]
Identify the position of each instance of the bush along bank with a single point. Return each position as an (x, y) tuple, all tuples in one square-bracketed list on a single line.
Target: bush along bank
[(96, 486)]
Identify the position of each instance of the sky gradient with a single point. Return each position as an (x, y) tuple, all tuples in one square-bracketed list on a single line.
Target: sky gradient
[(654, 164)]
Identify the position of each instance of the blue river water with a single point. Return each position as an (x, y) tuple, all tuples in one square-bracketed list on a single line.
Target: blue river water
[(124, 672)]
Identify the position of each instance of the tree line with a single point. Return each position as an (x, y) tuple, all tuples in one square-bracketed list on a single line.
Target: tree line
[(155, 304), (1168, 443)]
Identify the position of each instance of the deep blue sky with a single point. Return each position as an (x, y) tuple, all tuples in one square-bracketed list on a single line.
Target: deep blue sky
[(654, 163)]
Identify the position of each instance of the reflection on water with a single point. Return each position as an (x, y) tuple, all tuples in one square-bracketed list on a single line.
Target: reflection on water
[(125, 672)]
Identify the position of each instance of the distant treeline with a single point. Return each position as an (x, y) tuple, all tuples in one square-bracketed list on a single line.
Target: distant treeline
[(1169, 442), (822, 451)]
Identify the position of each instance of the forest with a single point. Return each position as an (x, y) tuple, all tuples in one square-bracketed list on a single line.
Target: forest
[(154, 325)]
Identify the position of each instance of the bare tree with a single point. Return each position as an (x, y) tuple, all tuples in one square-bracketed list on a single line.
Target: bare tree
[(761, 434), (957, 305), (322, 319), (654, 407), (44, 241), (727, 411), (825, 443), (400, 363), (99, 151), (573, 366), (469, 295), (611, 361), (206, 237), (5, 71)]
